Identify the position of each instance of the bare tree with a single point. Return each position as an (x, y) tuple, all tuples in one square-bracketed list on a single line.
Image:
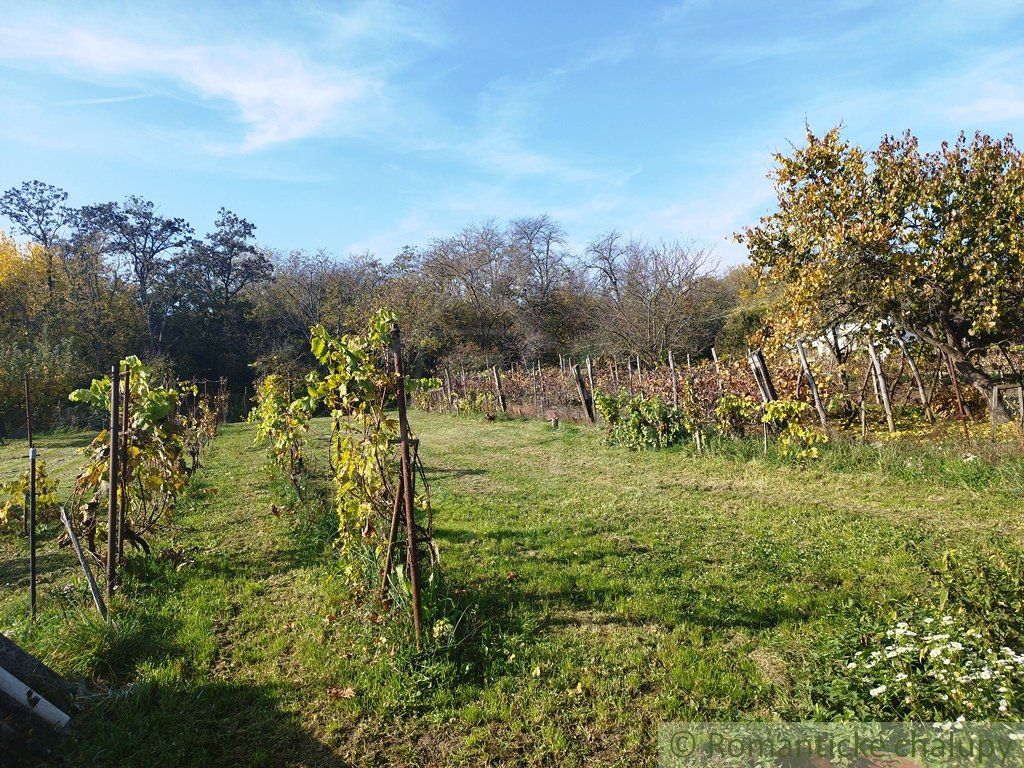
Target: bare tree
[(649, 297)]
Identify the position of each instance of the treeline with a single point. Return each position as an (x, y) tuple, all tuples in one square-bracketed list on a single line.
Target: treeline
[(83, 286)]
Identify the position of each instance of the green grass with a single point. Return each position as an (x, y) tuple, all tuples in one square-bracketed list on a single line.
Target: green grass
[(601, 591)]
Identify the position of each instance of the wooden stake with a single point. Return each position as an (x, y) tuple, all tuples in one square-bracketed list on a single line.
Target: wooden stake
[(883, 386), (28, 413), (675, 380), (397, 510), (588, 406), (917, 380), (993, 404), (1020, 407), (124, 468), (718, 371), (448, 389), (28, 430), (97, 597), (766, 375), (811, 384), (590, 381), (959, 399), (498, 390)]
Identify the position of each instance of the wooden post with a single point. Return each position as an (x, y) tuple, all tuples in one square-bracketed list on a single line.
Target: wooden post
[(448, 389), (1020, 407), (629, 373), (863, 420), (993, 405), (397, 510), (590, 377), (917, 379), (766, 375), (757, 376), (882, 386), (959, 399), (811, 383), (675, 379), (718, 370), (114, 476), (28, 413), (32, 530), (408, 484), (639, 375), (97, 597), (761, 376), (498, 390), (585, 401)]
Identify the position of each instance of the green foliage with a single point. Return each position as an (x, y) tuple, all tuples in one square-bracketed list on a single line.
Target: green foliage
[(476, 401), (423, 391), (795, 441), (639, 421), (14, 497), (281, 423), (156, 469), (353, 385), (736, 413)]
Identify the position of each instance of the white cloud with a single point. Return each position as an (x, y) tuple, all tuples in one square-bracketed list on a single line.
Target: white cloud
[(279, 91)]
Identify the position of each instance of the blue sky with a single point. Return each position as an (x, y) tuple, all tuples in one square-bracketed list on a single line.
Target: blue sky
[(369, 125)]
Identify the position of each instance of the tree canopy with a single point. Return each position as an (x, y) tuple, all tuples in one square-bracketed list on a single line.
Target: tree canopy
[(900, 240)]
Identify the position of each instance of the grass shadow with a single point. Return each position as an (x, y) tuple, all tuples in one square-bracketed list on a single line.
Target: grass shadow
[(206, 724)]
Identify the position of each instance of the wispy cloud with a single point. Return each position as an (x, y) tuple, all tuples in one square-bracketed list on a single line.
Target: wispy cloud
[(279, 91), (103, 100)]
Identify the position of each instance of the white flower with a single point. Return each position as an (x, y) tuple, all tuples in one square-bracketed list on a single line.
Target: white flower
[(879, 690), (901, 676)]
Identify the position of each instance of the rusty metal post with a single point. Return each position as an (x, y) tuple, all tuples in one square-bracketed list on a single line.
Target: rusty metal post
[(28, 430), (408, 480), (32, 529), (126, 423), (114, 476)]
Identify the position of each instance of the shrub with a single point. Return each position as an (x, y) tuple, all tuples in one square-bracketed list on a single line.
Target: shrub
[(640, 421), (957, 657), (736, 414), (795, 440)]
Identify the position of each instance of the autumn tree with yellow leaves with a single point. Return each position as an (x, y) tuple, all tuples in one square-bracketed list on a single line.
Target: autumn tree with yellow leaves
[(899, 240)]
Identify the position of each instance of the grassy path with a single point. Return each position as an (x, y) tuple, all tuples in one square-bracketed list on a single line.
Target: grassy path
[(601, 591)]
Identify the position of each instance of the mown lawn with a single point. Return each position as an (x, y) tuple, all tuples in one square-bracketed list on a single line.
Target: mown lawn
[(597, 592)]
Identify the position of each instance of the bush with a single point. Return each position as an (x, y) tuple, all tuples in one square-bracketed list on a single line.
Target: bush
[(640, 421), (957, 657), (795, 441)]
